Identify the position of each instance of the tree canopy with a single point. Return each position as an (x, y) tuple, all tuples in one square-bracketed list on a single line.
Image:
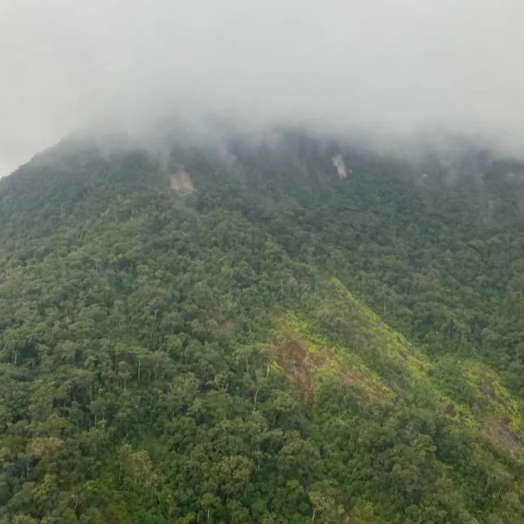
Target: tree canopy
[(275, 344)]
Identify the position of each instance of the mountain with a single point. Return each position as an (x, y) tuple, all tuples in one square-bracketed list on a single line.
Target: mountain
[(261, 328)]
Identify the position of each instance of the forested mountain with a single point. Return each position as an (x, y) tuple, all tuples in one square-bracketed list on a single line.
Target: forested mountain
[(274, 330)]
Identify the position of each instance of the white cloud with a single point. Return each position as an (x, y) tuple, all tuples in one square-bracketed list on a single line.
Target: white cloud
[(389, 64)]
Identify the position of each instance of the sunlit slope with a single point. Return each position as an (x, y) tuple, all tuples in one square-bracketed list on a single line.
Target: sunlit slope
[(334, 334), (451, 419)]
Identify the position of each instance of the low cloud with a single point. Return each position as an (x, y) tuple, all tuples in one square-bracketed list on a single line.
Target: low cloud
[(389, 67)]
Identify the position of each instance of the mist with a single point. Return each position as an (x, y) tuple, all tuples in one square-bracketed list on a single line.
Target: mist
[(390, 68)]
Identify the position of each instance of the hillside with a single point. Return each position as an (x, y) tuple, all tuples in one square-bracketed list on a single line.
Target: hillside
[(277, 329)]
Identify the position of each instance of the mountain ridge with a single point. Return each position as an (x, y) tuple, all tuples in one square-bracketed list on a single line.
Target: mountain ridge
[(280, 345)]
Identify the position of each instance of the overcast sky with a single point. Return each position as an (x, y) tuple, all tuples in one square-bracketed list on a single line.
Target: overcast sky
[(387, 64)]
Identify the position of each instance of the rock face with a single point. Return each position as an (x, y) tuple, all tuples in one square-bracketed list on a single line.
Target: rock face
[(181, 183), (338, 162)]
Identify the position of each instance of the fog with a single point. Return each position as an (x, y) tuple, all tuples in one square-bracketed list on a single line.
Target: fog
[(389, 67)]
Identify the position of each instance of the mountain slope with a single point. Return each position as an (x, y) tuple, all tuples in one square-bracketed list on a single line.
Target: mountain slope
[(191, 351)]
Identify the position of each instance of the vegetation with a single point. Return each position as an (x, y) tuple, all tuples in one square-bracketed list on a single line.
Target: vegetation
[(280, 345)]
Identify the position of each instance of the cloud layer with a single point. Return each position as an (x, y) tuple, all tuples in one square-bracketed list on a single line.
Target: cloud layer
[(386, 65)]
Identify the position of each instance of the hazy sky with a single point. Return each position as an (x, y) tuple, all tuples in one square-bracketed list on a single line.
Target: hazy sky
[(387, 64)]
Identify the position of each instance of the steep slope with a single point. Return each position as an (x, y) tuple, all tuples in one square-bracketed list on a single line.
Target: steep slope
[(179, 343), (460, 404)]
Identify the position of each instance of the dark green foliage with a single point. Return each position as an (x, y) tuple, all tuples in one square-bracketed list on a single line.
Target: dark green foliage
[(137, 372)]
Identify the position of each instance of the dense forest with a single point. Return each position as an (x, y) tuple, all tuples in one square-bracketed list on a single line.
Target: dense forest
[(284, 329)]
